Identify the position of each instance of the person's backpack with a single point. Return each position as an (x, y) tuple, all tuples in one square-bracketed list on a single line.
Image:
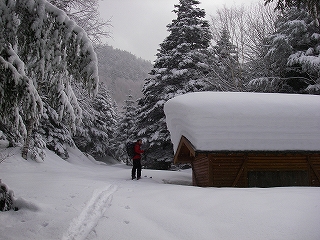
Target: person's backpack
[(130, 149)]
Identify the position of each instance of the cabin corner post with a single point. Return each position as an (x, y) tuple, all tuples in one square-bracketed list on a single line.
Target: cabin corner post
[(194, 175)]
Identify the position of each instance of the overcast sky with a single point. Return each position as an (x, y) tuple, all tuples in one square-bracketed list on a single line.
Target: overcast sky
[(139, 26)]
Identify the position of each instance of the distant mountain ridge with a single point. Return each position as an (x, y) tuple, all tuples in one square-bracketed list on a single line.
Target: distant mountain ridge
[(122, 71)]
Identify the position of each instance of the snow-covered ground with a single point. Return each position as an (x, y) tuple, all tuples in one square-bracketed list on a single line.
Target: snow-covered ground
[(84, 199)]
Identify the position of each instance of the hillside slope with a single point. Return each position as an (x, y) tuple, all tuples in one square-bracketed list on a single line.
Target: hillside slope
[(122, 71)]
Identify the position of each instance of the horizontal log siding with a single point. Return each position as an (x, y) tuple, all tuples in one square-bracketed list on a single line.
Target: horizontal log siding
[(225, 168), (277, 162), (201, 173)]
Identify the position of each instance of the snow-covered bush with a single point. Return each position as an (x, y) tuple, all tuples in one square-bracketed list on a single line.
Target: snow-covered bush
[(6, 198), (37, 148)]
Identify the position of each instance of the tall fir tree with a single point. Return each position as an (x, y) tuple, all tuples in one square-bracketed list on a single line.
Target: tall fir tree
[(181, 67), (96, 133), (225, 74), (125, 128)]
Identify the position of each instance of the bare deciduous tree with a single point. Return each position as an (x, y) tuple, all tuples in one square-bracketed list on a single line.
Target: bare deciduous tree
[(86, 14), (248, 27)]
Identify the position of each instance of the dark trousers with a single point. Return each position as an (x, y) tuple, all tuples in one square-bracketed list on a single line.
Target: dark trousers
[(136, 168)]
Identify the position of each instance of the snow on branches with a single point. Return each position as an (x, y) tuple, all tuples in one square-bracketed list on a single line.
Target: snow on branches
[(42, 52)]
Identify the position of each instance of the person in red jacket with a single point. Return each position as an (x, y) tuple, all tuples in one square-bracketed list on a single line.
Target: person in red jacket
[(137, 160)]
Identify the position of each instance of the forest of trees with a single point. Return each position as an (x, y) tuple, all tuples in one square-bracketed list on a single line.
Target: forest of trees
[(122, 72), (50, 95)]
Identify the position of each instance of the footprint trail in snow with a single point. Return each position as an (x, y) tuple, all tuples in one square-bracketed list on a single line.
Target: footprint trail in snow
[(81, 226)]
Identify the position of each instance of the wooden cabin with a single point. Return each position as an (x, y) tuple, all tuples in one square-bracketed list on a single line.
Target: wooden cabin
[(250, 168), (283, 151)]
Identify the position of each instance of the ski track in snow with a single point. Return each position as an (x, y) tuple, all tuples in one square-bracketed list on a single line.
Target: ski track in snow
[(82, 225)]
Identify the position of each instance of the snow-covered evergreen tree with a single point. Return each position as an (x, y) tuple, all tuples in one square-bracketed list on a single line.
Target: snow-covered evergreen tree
[(312, 6), (225, 74), (294, 53), (180, 67), (42, 51), (54, 132), (96, 133), (125, 128), (225, 49), (114, 144), (19, 100)]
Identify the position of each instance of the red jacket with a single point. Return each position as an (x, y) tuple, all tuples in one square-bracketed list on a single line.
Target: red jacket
[(137, 151)]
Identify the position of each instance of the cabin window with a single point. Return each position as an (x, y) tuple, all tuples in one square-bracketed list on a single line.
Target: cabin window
[(277, 178)]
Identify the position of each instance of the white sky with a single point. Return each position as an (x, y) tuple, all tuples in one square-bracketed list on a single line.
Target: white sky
[(139, 26)]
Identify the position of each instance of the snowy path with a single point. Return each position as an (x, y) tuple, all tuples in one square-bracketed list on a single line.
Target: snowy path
[(82, 225)]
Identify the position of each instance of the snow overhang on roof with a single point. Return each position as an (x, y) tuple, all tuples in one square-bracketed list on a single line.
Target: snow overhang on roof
[(232, 121)]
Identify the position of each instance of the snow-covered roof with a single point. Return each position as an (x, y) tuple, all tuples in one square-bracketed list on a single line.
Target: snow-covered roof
[(232, 121)]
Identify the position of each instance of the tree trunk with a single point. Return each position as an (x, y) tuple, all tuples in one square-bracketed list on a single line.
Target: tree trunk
[(25, 149)]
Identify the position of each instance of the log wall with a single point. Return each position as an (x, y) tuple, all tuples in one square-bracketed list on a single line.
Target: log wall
[(201, 171), (231, 169)]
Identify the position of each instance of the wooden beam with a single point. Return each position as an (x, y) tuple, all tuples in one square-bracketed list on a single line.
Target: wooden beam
[(184, 145), (189, 145), (313, 168), (244, 165)]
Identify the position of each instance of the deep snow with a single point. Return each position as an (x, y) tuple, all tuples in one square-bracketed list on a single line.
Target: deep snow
[(84, 199), (245, 121)]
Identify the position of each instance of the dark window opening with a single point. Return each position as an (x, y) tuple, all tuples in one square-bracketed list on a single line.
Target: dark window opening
[(277, 178)]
